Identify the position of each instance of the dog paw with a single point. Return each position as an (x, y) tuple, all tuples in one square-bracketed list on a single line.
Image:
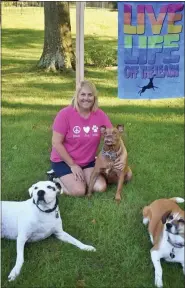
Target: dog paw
[(13, 274), (158, 282), (89, 248), (118, 198), (145, 221)]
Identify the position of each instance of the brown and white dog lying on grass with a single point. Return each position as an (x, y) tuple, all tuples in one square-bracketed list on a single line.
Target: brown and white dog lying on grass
[(166, 229)]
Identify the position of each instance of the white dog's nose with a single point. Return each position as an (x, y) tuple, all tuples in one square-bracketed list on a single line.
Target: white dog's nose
[(40, 194)]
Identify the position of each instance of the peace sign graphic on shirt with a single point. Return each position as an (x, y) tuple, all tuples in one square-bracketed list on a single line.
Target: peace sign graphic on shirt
[(76, 129)]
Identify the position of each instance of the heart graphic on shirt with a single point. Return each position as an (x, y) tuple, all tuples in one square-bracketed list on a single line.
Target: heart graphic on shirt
[(86, 129)]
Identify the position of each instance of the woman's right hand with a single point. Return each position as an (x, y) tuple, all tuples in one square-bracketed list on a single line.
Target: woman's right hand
[(77, 172)]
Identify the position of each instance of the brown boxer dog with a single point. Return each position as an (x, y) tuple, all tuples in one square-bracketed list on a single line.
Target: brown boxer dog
[(166, 227), (112, 161)]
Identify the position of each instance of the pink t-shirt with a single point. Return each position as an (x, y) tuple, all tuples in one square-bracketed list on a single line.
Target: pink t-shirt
[(82, 136)]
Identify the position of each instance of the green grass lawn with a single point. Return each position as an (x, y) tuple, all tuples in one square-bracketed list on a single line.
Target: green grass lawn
[(154, 139)]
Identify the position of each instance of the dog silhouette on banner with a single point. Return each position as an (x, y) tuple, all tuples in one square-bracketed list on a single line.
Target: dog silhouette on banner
[(150, 85)]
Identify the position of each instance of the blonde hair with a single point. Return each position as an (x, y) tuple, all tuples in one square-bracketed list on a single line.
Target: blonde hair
[(92, 87)]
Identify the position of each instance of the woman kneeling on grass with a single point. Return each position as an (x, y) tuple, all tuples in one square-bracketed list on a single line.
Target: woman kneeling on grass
[(75, 141)]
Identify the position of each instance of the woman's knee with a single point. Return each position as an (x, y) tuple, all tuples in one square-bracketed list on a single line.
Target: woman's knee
[(79, 191), (76, 191), (72, 187)]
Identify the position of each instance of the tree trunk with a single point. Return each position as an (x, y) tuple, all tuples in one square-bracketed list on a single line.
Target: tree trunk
[(58, 53)]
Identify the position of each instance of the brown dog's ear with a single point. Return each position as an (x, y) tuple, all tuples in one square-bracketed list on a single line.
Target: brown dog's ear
[(102, 129), (165, 216), (120, 128)]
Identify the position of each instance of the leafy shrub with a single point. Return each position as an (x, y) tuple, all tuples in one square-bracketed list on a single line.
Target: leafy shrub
[(100, 55)]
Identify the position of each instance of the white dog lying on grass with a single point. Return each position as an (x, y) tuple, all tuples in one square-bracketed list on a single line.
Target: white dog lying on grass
[(35, 219)]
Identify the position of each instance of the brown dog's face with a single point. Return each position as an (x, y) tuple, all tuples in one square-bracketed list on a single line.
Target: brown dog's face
[(174, 223), (111, 136)]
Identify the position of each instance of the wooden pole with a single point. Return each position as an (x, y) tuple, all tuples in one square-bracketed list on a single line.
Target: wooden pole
[(79, 42)]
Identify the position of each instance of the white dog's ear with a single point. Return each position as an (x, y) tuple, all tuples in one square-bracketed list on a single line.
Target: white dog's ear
[(30, 190)]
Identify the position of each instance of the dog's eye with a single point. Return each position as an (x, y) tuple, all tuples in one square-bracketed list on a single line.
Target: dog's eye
[(35, 188), (50, 187), (181, 220), (171, 217)]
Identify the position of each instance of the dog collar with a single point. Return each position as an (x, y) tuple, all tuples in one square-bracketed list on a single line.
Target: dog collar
[(175, 245), (110, 154), (49, 210)]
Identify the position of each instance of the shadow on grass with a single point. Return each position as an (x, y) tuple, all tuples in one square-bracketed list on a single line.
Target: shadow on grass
[(127, 109), (18, 66), (21, 38), (11, 66), (96, 52), (53, 88)]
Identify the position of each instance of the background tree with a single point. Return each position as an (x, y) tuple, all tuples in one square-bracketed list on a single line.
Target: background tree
[(58, 52)]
